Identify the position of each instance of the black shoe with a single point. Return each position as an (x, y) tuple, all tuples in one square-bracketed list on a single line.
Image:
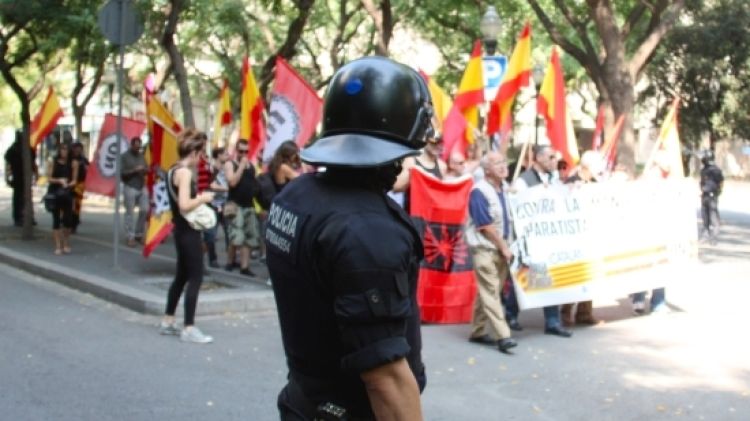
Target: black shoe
[(213, 263), (484, 339), (229, 267), (558, 331), (514, 325), (247, 272), (506, 343)]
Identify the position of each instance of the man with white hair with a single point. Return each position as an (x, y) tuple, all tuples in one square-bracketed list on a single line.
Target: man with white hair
[(489, 233)]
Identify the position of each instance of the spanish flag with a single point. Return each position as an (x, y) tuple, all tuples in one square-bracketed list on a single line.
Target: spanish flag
[(441, 101), (551, 105), (450, 122), (666, 157), (516, 77), (471, 91), (161, 155), (45, 120), (223, 113), (251, 109)]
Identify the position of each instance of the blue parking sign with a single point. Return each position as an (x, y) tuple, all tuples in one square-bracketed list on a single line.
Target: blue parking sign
[(493, 69)]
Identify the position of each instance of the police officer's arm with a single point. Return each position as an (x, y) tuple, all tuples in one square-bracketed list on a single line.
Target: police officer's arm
[(402, 181), (393, 391)]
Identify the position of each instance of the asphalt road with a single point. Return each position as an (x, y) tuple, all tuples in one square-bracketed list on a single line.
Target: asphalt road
[(68, 356)]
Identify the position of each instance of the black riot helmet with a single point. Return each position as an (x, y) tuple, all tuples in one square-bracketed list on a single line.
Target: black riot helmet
[(376, 111), (707, 157)]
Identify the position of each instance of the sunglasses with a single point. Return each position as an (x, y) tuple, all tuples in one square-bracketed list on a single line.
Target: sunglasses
[(241, 150)]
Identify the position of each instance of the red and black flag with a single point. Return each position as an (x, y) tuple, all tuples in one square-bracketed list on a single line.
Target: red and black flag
[(446, 286)]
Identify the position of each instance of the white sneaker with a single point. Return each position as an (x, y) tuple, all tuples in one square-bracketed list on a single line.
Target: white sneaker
[(168, 328), (194, 335)]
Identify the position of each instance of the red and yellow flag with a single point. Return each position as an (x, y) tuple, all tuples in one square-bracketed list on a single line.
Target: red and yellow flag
[(470, 92), (551, 105), (666, 156), (161, 155), (223, 113), (516, 77), (441, 101), (45, 120), (251, 112), (610, 145)]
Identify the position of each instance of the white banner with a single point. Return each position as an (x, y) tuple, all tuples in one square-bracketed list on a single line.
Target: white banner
[(579, 242)]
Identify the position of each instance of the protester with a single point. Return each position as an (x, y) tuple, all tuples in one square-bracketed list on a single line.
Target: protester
[(134, 191), (429, 160), (590, 168), (472, 165), (243, 229), (63, 171), (456, 167), (542, 172), (14, 176), (346, 304), (489, 234), (77, 154), (183, 198), (220, 187), (711, 184), (285, 164)]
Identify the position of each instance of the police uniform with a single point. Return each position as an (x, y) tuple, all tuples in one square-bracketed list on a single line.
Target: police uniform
[(344, 258), (344, 269)]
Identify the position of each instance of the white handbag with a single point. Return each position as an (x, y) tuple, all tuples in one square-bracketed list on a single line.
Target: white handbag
[(200, 218)]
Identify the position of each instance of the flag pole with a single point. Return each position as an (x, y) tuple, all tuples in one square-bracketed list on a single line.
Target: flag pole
[(521, 157)]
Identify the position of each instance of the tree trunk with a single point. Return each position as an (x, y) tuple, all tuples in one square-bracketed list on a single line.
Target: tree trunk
[(287, 49), (383, 20), (178, 63)]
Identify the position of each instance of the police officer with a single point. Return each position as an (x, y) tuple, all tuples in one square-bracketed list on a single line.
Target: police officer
[(344, 257), (712, 180)]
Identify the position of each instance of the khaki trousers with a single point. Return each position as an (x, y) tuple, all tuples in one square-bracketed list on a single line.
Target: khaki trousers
[(489, 317)]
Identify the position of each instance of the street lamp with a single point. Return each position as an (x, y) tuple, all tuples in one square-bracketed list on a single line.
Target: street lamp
[(490, 27), (538, 75)]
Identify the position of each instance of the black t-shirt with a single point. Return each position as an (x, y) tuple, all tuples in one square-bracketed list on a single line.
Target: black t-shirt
[(15, 160), (711, 179), (344, 264), (243, 193)]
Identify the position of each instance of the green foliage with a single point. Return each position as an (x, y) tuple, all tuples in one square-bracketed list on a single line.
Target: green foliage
[(707, 64)]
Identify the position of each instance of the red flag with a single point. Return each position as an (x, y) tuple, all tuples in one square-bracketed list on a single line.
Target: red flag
[(295, 110), (251, 112), (610, 145), (596, 139), (516, 77), (45, 120), (101, 173), (551, 105), (446, 287), (454, 129)]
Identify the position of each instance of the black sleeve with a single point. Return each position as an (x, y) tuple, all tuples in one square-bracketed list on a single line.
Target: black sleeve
[(371, 288)]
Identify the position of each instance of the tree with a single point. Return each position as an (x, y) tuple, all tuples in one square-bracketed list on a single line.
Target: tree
[(613, 41), (706, 63), (176, 60), (21, 46), (88, 56)]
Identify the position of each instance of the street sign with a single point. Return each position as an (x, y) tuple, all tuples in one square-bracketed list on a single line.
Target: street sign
[(493, 69), (117, 12)]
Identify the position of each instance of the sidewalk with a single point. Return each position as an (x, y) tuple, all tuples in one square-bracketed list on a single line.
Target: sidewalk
[(137, 283), (141, 284)]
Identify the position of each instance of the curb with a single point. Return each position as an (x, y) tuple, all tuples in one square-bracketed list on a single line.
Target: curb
[(210, 303)]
